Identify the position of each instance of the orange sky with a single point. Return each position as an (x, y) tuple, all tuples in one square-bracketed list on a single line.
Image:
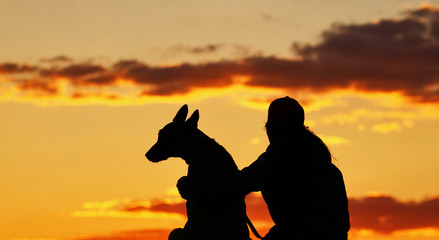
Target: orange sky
[(84, 96)]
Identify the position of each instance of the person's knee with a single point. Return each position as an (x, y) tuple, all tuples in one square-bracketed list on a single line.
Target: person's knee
[(177, 234)]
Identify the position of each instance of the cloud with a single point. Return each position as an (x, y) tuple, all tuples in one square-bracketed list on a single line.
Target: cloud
[(14, 68), (148, 234), (377, 213), (387, 127), (229, 50), (209, 48), (164, 207), (60, 58), (38, 85), (389, 55), (180, 79), (157, 209), (255, 141), (78, 71), (386, 214)]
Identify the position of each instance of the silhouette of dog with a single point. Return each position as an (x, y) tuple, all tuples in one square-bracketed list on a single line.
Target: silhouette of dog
[(209, 217)]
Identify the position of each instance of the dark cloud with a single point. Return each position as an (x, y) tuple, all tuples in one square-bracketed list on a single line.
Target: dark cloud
[(38, 85), (61, 58), (101, 80), (209, 48), (390, 55), (183, 78), (126, 64), (80, 70), (387, 214), (14, 68)]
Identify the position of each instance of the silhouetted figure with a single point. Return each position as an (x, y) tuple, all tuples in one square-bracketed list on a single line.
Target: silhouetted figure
[(210, 216), (304, 191)]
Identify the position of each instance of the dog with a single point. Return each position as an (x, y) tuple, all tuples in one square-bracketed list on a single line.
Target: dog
[(210, 216)]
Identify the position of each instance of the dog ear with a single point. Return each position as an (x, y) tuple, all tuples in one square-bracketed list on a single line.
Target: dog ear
[(181, 114), (193, 120)]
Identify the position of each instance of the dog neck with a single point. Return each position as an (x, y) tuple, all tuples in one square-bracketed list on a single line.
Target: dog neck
[(197, 147)]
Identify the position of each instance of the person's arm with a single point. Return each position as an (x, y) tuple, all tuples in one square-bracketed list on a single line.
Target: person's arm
[(254, 177), (207, 184), (247, 180)]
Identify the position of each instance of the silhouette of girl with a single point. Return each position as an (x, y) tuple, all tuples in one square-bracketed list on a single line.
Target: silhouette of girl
[(304, 191)]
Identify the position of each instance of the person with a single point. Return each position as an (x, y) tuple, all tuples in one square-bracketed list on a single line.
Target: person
[(304, 191)]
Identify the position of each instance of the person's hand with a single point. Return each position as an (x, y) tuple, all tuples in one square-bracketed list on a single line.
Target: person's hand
[(183, 185)]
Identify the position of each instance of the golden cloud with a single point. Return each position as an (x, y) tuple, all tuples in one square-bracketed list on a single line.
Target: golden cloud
[(159, 209), (376, 212)]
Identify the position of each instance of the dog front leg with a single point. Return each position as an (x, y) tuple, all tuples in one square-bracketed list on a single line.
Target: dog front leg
[(178, 234)]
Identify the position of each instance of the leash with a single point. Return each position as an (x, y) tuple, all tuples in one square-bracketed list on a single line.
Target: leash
[(250, 224)]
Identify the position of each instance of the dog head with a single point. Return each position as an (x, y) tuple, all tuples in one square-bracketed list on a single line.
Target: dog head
[(174, 137)]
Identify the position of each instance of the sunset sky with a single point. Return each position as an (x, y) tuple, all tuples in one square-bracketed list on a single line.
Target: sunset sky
[(85, 85)]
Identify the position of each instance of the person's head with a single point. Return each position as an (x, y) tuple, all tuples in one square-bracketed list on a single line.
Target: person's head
[(285, 117)]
